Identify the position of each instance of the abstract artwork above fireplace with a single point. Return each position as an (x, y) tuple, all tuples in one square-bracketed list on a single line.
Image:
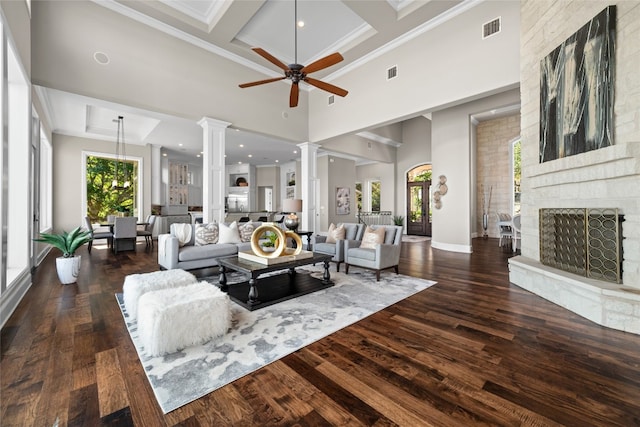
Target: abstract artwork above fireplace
[(576, 91)]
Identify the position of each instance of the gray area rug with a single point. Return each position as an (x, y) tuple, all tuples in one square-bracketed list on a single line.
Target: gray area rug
[(260, 337)]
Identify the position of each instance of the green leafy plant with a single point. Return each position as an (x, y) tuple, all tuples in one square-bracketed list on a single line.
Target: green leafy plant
[(398, 220), (68, 243), (272, 239)]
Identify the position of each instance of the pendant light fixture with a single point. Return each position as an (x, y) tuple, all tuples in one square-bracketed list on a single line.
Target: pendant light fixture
[(120, 162)]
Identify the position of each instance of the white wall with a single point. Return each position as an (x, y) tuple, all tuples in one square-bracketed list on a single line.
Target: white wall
[(446, 65), (452, 156), (68, 177), (414, 151)]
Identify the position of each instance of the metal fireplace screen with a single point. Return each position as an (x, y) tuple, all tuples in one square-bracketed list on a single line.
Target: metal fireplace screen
[(587, 242)]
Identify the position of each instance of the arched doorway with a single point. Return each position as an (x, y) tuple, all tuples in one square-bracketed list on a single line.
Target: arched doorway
[(418, 201)]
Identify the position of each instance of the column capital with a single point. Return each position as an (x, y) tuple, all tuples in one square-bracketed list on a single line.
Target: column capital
[(310, 145), (214, 123)]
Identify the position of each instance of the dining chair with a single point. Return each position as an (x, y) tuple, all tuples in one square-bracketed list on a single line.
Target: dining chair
[(125, 233), (147, 231), (505, 227), (97, 235), (516, 227)]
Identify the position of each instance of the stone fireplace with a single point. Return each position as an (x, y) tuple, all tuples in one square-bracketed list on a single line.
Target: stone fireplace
[(600, 179), (586, 242)]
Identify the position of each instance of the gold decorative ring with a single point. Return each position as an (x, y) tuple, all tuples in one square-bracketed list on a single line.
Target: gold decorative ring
[(280, 242)]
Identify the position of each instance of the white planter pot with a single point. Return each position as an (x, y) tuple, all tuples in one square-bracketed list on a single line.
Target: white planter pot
[(68, 269)]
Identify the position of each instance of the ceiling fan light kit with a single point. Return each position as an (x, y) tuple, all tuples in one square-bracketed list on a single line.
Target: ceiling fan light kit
[(297, 72)]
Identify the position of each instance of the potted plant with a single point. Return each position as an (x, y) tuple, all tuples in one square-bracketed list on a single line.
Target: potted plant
[(68, 265), (398, 220), (269, 245)]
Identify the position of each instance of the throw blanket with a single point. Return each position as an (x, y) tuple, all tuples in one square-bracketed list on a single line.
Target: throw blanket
[(182, 232)]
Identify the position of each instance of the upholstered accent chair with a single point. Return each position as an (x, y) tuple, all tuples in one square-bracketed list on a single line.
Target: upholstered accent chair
[(376, 256), (337, 247)]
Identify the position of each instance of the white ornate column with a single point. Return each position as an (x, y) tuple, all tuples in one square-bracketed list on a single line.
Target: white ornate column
[(213, 182), (308, 181)]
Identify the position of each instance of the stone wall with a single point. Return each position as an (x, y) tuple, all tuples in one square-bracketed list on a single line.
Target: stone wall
[(606, 177), (494, 139)]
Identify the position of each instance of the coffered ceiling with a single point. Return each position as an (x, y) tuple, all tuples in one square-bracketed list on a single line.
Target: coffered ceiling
[(358, 29)]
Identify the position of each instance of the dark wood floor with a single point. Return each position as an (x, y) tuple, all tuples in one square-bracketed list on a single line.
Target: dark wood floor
[(471, 350)]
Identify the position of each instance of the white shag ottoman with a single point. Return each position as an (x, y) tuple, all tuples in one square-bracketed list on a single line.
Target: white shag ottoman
[(136, 285), (172, 319)]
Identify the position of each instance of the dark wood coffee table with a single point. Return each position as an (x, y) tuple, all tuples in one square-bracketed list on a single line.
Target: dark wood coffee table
[(274, 288)]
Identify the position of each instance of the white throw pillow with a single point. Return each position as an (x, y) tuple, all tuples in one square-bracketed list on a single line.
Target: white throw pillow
[(229, 233), (372, 237), (182, 232), (206, 234), (335, 233)]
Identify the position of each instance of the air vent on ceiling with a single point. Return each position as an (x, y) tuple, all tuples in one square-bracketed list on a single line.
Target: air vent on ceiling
[(331, 99), (392, 72), (491, 28)]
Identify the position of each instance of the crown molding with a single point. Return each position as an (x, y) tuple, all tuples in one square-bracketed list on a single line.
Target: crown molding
[(381, 139)]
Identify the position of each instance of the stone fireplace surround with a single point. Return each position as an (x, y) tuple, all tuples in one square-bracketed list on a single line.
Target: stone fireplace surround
[(608, 177)]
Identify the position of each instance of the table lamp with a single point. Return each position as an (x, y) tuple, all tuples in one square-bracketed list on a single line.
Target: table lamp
[(292, 207)]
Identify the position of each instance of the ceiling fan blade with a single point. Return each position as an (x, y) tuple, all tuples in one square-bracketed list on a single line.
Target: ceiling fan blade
[(261, 82), (266, 55), (326, 86), (322, 63), (293, 97)]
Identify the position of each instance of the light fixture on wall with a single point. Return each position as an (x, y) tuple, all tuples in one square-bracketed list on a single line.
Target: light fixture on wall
[(120, 162), (292, 207)]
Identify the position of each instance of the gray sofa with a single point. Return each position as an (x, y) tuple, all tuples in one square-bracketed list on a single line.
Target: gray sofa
[(190, 256)]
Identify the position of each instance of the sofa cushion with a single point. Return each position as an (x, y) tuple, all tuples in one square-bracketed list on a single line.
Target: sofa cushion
[(390, 236), (195, 253), (229, 233), (325, 248), (246, 230), (369, 254), (350, 231), (335, 233), (206, 234), (372, 237)]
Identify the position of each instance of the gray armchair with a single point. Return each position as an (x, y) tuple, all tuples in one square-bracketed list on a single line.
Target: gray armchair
[(383, 256), (352, 237)]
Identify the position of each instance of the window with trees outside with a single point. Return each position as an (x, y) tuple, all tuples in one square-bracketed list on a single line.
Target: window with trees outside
[(516, 176), (359, 196), (102, 198), (375, 196)]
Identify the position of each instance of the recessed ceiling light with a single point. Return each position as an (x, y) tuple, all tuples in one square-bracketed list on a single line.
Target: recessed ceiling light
[(239, 163), (277, 161), (164, 154), (241, 145), (300, 23), (197, 155), (180, 144), (295, 151), (101, 58), (250, 155)]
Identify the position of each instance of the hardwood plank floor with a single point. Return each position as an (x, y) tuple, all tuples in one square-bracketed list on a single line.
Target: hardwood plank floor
[(471, 350)]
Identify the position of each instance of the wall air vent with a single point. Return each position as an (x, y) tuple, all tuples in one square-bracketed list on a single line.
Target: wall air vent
[(491, 28), (331, 99), (392, 72)]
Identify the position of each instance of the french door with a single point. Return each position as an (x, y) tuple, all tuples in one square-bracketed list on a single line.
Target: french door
[(418, 208)]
